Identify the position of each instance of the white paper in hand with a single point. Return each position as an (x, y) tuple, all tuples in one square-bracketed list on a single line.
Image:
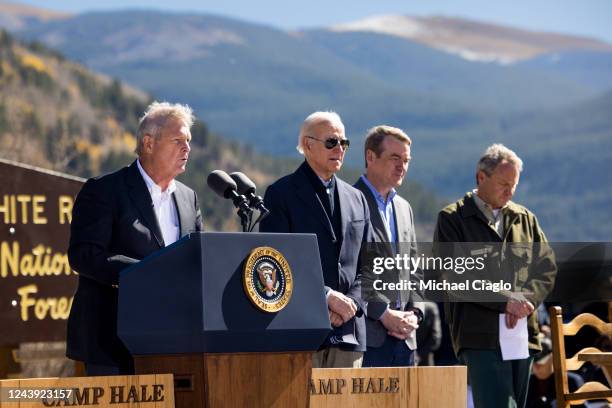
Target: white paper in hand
[(514, 343)]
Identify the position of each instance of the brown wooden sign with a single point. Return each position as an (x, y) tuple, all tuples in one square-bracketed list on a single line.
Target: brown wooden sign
[(36, 282), (145, 391), (406, 387)]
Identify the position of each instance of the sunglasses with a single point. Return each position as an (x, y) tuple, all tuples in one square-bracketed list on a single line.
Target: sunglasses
[(332, 142)]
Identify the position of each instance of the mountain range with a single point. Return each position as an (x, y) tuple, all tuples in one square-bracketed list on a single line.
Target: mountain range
[(473, 40), (547, 95), (14, 16), (58, 115)]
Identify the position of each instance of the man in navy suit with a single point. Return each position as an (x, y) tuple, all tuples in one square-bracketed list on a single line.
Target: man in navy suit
[(313, 200), (119, 219)]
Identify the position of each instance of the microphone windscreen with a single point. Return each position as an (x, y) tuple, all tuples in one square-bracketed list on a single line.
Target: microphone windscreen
[(221, 183), (244, 184)]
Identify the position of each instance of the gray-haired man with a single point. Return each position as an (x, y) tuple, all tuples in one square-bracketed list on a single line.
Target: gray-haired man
[(487, 215), (314, 200), (119, 219)]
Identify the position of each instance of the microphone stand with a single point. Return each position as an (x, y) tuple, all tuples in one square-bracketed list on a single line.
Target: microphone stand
[(245, 219), (244, 211)]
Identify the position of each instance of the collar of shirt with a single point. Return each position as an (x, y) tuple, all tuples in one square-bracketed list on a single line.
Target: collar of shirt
[(385, 209), (317, 182), (154, 189), (492, 215), (328, 182), (379, 198)]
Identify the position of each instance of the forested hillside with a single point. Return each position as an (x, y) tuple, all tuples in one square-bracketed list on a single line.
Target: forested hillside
[(57, 114)]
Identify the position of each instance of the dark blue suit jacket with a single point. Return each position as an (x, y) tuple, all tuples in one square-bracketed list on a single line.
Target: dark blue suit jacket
[(295, 207), (113, 226)]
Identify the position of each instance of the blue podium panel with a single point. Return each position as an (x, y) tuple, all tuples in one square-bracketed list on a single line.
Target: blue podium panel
[(189, 298)]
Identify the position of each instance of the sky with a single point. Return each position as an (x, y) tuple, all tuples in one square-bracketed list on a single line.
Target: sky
[(591, 18)]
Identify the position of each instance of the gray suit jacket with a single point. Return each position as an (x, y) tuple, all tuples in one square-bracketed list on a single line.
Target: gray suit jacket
[(404, 221)]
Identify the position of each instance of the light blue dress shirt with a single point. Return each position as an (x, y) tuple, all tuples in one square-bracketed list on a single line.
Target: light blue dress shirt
[(385, 209)]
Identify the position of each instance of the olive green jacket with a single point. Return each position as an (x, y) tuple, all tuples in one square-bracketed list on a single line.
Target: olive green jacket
[(476, 325)]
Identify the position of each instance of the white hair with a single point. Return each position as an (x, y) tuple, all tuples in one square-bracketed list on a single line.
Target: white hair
[(155, 117), (494, 155), (314, 119)]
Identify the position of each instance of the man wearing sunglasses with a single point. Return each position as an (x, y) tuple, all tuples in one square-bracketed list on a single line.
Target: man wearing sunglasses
[(313, 200)]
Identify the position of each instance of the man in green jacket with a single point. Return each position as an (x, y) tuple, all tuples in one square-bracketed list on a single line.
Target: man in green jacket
[(486, 215)]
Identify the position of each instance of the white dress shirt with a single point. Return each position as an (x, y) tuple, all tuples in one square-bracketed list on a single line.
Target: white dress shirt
[(165, 210)]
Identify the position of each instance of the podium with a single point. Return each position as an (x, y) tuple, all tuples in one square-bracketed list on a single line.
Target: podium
[(184, 310)]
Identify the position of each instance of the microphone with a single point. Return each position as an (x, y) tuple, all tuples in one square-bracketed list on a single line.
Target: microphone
[(247, 188), (221, 183), (224, 186)]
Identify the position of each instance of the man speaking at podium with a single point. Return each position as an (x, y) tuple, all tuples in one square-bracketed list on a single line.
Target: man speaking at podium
[(119, 219), (313, 200)]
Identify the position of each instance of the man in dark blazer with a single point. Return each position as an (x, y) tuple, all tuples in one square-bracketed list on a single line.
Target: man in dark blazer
[(313, 200), (392, 316), (119, 219)]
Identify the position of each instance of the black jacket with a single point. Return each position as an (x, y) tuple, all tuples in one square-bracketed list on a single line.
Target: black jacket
[(113, 226)]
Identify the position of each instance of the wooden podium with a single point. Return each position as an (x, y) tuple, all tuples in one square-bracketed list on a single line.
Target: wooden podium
[(235, 380), (184, 311)]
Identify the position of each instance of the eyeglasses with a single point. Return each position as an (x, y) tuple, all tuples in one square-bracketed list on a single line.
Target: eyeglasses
[(332, 142)]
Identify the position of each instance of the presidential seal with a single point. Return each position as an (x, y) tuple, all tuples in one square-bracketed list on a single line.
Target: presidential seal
[(267, 279)]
